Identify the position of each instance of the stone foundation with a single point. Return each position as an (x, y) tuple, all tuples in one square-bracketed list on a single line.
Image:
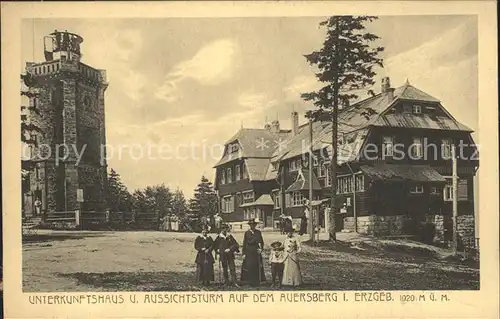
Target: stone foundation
[(403, 225), (378, 225)]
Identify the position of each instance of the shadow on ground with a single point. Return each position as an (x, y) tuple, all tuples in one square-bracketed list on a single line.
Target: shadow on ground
[(164, 281), (40, 238)]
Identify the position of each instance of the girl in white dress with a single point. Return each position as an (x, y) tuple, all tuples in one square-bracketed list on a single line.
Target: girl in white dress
[(291, 272)]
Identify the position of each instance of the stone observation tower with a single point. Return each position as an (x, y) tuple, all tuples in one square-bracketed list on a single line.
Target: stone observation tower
[(67, 105)]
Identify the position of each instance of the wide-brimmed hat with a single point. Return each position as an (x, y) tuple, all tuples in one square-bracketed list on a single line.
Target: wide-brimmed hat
[(276, 244), (252, 221), (225, 226)]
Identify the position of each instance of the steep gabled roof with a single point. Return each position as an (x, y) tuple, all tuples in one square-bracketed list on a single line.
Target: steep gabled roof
[(254, 143), (409, 92), (355, 120)]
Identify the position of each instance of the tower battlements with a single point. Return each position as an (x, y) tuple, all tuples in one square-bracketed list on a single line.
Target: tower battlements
[(68, 108)]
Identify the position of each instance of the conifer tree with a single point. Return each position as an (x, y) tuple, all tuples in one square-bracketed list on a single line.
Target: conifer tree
[(345, 65), (203, 205)]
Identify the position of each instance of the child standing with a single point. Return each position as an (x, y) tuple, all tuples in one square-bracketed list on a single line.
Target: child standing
[(276, 258)]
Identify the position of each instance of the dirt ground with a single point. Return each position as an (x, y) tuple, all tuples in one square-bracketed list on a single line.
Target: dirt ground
[(162, 261)]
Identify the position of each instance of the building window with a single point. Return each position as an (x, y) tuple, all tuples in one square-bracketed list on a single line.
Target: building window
[(344, 184), (277, 199), (37, 172), (360, 182), (233, 148), (223, 176), (328, 177), (250, 213), (229, 175), (434, 190), (248, 197), (407, 108), (275, 166), (228, 204), (292, 166), (237, 172), (244, 171), (448, 192), (416, 148), (388, 146), (297, 199), (417, 109), (321, 170), (315, 161), (446, 148), (417, 189)]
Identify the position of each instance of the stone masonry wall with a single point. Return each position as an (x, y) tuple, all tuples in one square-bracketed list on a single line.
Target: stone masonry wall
[(396, 225), (466, 230), (377, 225)]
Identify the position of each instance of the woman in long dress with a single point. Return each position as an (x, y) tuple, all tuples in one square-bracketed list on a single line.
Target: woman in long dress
[(204, 258), (291, 272)]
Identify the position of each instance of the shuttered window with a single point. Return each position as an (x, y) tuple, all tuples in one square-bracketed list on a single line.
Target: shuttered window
[(461, 190)]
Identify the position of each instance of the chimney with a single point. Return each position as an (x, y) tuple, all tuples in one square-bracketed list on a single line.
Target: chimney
[(386, 88), (295, 123), (386, 84), (275, 126)]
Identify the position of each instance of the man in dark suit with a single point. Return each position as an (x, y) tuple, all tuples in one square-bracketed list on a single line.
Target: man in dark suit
[(225, 246), (252, 270)]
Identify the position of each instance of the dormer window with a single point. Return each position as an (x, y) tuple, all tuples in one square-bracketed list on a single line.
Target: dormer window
[(233, 148), (275, 166), (417, 109)]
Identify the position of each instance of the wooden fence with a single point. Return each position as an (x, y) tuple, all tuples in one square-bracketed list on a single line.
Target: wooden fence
[(103, 220)]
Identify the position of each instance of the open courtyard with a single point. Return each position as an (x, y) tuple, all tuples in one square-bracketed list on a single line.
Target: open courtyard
[(164, 261)]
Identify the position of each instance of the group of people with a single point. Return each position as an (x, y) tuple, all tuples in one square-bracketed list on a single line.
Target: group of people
[(283, 259), (286, 223)]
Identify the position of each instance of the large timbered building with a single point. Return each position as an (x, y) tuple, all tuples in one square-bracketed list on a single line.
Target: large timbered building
[(394, 167)]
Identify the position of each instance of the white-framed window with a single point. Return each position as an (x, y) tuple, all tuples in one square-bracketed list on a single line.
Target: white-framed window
[(416, 147), (360, 182), (435, 190), (417, 189), (223, 176), (417, 109), (248, 197), (344, 184), (295, 165), (321, 170), (277, 199), (227, 204), (229, 175), (446, 148), (388, 146), (237, 171), (328, 175), (462, 190), (297, 199), (249, 213), (244, 171), (315, 161), (448, 193)]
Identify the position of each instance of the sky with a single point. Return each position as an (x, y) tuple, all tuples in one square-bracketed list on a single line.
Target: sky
[(186, 85)]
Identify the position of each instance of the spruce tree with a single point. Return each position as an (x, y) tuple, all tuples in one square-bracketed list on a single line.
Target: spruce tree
[(203, 205), (119, 198), (345, 65)]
